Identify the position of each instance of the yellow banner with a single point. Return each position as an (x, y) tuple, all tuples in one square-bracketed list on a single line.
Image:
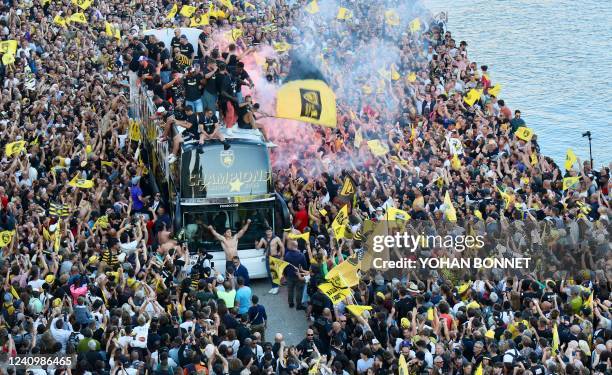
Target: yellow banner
[(78, 18), (396, 214), (83, 4), (415, 25), (344, 274), (305, 236), (134, 132), (570, 159), (570, 182), (495, 90), (277, 267), (81, 182), (340, 223), (402, 366), (112, 31), (378, 148), (228, 4), (357, 310), (308, 100), (335, 294), (312, 7), (8, 46), (202, 20), (14, 148), (187, 10), (172, 12), (6, 237), (450, 212), (102, 222), (60, 21), (524, 133), (344, 14), (392, 18), (472, 96)]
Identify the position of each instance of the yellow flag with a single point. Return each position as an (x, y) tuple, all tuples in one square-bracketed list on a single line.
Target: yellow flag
[(277, 267), (394, 73), (14, 148), (202, 20), (555, 340), (472, 96), (412, 77), (59, 20), (78, 18), (312, 7), (305, 236), (234, 34), (402, 365), (495, 90), (8, 46), (344, 14), (570, 182), (107, 163), (450, 212), (357, 310), (8, 59), (102, 222), (455, 162), (248, 5), (344, 274), (534, 158), (323, 212), (570, 159), (478, 369), (112, 31), (334, 293), (358, 138), (392, 18), (478, 214), (340, 222), (314, 370), (134, 132), (430, 314), (187, 10), (281, 47), (172, 12), (228, 4), (6, 236), (415, 25), (83, 4), (308, 100), (378, 148), (524, 133), (81, 182), (396, 214)]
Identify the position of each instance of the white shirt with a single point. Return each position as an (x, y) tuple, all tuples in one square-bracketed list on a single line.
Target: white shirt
[(61, 335), (140, 339)]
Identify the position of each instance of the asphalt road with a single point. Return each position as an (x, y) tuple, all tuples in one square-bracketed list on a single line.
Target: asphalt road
[(290, 322)]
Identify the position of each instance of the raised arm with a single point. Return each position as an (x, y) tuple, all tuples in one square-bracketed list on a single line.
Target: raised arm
[(243, 230), (215, 234)]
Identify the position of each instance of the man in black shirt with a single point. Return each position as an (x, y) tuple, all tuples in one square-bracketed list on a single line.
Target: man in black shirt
[(210, 125), (192, 84), (242, 78), (176, 40), (190, 133), (227, 89), (211, 89), (146, 70), (186, 48), (246, 117), (164, 60)]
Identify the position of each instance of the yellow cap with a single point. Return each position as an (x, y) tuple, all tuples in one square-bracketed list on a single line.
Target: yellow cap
[(405, 323), (473, 305), (57, 302), (93, 259), (49, 279), (380, 294), (490, 334)]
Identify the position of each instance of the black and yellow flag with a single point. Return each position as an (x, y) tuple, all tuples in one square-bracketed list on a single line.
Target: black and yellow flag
[(307, 100), (58, 210), (277, 267), (348, 193)]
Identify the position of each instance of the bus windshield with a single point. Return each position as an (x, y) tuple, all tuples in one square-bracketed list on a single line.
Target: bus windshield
[(196, 224)]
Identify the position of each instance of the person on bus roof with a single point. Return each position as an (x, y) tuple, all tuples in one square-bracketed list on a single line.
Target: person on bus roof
[(191, 132), (210, 124)]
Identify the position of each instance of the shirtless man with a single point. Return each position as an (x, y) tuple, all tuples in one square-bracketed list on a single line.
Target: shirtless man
[(229, 243), (274, 247)]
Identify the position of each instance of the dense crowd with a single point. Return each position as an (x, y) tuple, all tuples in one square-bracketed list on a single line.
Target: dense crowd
[(89, 264)]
